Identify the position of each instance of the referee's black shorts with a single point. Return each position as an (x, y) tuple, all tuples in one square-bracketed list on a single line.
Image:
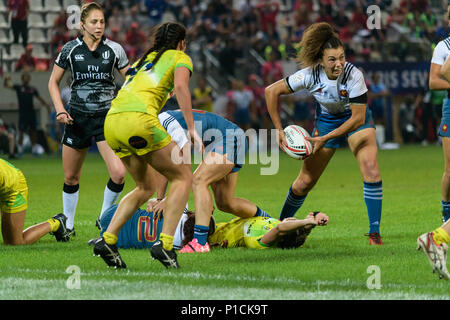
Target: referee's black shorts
[(86, 126)]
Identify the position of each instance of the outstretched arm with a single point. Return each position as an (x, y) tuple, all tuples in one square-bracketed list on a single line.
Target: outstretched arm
[(289, 225)]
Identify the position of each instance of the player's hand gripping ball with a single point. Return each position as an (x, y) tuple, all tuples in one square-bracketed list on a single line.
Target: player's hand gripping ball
[(297, 146)]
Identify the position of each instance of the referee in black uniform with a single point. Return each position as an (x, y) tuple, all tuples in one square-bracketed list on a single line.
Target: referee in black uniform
[(91, 59)]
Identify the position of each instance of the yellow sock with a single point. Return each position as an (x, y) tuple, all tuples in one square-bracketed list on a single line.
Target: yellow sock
[(110, 238), (167, 241), (54, 224), (440, 236)]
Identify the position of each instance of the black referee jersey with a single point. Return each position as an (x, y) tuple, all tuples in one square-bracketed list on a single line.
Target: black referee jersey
[(92, 72)]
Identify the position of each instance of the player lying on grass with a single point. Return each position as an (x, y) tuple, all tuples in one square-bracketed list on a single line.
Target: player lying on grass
[(13, 208), (144, 227), (435, 246), (225, 149)]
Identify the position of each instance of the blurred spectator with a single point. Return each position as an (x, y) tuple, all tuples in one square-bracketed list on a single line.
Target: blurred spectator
[(133, 15), (359, 17), (202, 96), (59, 37), (175, 6), (117, 36), (109, 5), (272, 68), (241, 104), (61, 20), (442, 31), (116, 20), (26, 61), (27, 115), (135, 41), (408, 120), (7, 140), (261, 119), (324, 15), (378, 92), (230, 56), (426, 112), (268, 11), (155, 10), (19, 10)]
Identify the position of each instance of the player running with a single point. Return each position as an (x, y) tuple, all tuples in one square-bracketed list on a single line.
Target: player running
[(441, 68), (341, 93), (133, 131), (13, 208)]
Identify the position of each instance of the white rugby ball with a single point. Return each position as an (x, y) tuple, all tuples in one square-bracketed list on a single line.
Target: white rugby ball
[(297, 146)]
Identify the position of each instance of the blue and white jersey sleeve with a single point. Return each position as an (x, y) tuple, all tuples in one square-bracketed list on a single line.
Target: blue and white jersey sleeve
[(302, 79), (356, 84), (173, 128), (441, 52)]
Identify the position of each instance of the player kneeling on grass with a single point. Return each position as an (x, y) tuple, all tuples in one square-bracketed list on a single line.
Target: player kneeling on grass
[(13, 207), (143, 230)]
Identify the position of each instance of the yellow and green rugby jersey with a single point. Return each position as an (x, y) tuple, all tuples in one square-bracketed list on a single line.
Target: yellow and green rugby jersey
[(148, 90), (8, 176), (242, 232)]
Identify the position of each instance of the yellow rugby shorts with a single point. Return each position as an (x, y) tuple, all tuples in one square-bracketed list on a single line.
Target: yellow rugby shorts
[(135, 133)]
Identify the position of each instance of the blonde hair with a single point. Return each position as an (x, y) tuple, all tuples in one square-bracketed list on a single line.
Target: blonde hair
[(316, 38), (86, 8)]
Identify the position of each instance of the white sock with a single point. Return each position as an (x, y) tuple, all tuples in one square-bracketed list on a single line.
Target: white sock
[(109, 199), (70, 201)]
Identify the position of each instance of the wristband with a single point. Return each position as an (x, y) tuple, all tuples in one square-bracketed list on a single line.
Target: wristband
[(315, 213), (60, 113)]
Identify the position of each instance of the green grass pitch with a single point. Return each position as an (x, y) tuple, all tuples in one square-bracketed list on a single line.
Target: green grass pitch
[(336, 261)]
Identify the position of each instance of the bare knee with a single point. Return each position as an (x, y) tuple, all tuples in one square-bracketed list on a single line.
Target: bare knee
[(371, 171), (72, 178), (224, 206), (118, 176), (303, 186)]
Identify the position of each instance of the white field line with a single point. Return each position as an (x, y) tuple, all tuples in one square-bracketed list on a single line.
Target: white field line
[(171, 289), (21, 288)]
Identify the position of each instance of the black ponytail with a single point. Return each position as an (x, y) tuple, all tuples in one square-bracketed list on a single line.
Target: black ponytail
[(166, 37)]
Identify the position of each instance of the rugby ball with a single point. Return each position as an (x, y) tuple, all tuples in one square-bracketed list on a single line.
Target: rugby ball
[(297, 146)]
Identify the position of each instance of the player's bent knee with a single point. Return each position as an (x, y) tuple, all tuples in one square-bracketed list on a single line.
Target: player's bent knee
[(302, 187), (371, 171)]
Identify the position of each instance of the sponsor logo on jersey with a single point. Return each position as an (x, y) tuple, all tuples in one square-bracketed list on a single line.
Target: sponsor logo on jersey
[(444, 128), (343, 93), (79, 57)]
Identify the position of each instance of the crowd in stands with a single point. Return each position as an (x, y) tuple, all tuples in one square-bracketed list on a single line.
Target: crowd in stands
[(229, 29)]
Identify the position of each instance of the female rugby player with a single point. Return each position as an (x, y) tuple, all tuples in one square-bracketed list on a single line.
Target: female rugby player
[(341, 93)]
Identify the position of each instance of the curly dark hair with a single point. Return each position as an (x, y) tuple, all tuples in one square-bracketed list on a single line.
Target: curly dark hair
[(188, 228), (316, 38)]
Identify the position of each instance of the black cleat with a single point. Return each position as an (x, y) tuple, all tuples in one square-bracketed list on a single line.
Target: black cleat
[(108, 253), (167, 258), (62, 234)]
